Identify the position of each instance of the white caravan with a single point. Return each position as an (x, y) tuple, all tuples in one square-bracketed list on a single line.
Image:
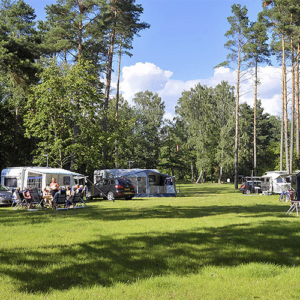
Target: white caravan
[(276, 182), (39, 177)]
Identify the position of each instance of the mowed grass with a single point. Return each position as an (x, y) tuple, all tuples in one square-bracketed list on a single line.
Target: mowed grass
[(210, 242)]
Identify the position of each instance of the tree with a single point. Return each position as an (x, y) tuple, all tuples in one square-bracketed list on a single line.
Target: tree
[(124, 19), (238, 35), (65, 96), (258, 52), (19, 50), (205, 112), (148, 114)]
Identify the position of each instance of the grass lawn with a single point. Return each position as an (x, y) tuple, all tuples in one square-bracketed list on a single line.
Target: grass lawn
[(210, 242)]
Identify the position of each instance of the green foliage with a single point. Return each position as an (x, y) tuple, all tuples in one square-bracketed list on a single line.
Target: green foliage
[(145, 139), (63, 115), (206, 113), (268, 136)]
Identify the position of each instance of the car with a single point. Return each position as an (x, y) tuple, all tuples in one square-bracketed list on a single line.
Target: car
[(247, 186), (6, 196), (112, 188)]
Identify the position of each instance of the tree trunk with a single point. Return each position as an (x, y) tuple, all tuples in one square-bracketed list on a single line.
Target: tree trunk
[(297, 104), (117, 101), (199, 178), (285, 107), (254, 119), (80, 28), (293, 107), (282, 120), (15, 135), (108, 73), (236, 149)]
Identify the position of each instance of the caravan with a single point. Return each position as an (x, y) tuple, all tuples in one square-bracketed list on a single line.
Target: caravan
[(276, 182), (37, 177), (147, 182)]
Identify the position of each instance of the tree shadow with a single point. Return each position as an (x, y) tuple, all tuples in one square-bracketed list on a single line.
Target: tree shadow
[(107, 260), (10, 217)]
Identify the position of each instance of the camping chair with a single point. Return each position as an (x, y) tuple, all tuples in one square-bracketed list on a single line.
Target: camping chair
[(60, 202), (294, 202), (19, 203), (78, 201), (36, 201)]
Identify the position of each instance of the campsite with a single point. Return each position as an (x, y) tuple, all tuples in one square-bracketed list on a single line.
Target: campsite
[(210, 242)]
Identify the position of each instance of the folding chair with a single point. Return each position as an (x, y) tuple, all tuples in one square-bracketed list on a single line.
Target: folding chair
[(19, 203), (78, 201), (295, 203), (36, 201), (60, 202)]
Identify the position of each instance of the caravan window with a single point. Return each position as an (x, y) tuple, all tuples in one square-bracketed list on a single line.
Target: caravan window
[(34, 181), (67, 180), (11, 182)]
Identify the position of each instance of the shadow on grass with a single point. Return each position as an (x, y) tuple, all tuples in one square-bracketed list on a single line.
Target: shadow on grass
[(10, 217), (193, 190), (108, 260)]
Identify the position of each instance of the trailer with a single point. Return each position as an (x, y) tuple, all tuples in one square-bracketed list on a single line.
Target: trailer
[(38, 177), (276, 182)]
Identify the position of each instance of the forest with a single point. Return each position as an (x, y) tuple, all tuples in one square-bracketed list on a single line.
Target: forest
[(58, 105)]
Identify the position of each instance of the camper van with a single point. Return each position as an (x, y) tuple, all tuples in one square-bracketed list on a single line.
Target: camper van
[(38, 177), (147, 182), (276, 182)]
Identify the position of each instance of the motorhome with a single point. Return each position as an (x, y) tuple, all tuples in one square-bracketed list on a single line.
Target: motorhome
[(38, 177), (147, 182)]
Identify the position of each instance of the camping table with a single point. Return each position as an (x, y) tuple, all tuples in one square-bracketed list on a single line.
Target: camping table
[(294, 206)]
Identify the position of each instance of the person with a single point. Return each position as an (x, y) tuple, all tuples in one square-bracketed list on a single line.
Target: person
[(17, 194), (55, 198), (46, 197), (27, 196), (54, 187), (68, 192), (69, 202)]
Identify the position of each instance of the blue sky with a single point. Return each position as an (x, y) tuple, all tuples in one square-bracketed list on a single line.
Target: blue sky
[(183, 45)]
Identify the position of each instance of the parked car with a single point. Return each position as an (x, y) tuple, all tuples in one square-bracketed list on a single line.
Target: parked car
[(247, 187), (112, 188), (5, 195)]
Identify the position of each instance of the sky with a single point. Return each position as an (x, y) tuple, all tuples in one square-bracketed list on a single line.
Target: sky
[(183, 45)]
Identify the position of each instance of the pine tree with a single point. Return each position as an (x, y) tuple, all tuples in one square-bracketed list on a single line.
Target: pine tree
[(238, 35)]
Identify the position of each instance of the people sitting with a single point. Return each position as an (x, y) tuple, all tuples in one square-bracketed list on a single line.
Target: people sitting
[(60, 191), (69, 202), (47, 199), (27, 196), (68, 192), (17, 194)]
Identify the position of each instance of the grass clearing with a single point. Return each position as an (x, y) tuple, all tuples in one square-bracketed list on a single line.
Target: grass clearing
[(210, 242)]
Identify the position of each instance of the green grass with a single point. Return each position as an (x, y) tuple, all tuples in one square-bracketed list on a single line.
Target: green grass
[(210, 242)]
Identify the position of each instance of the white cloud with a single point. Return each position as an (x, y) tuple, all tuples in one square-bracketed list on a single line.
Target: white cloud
[(148, 76)]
